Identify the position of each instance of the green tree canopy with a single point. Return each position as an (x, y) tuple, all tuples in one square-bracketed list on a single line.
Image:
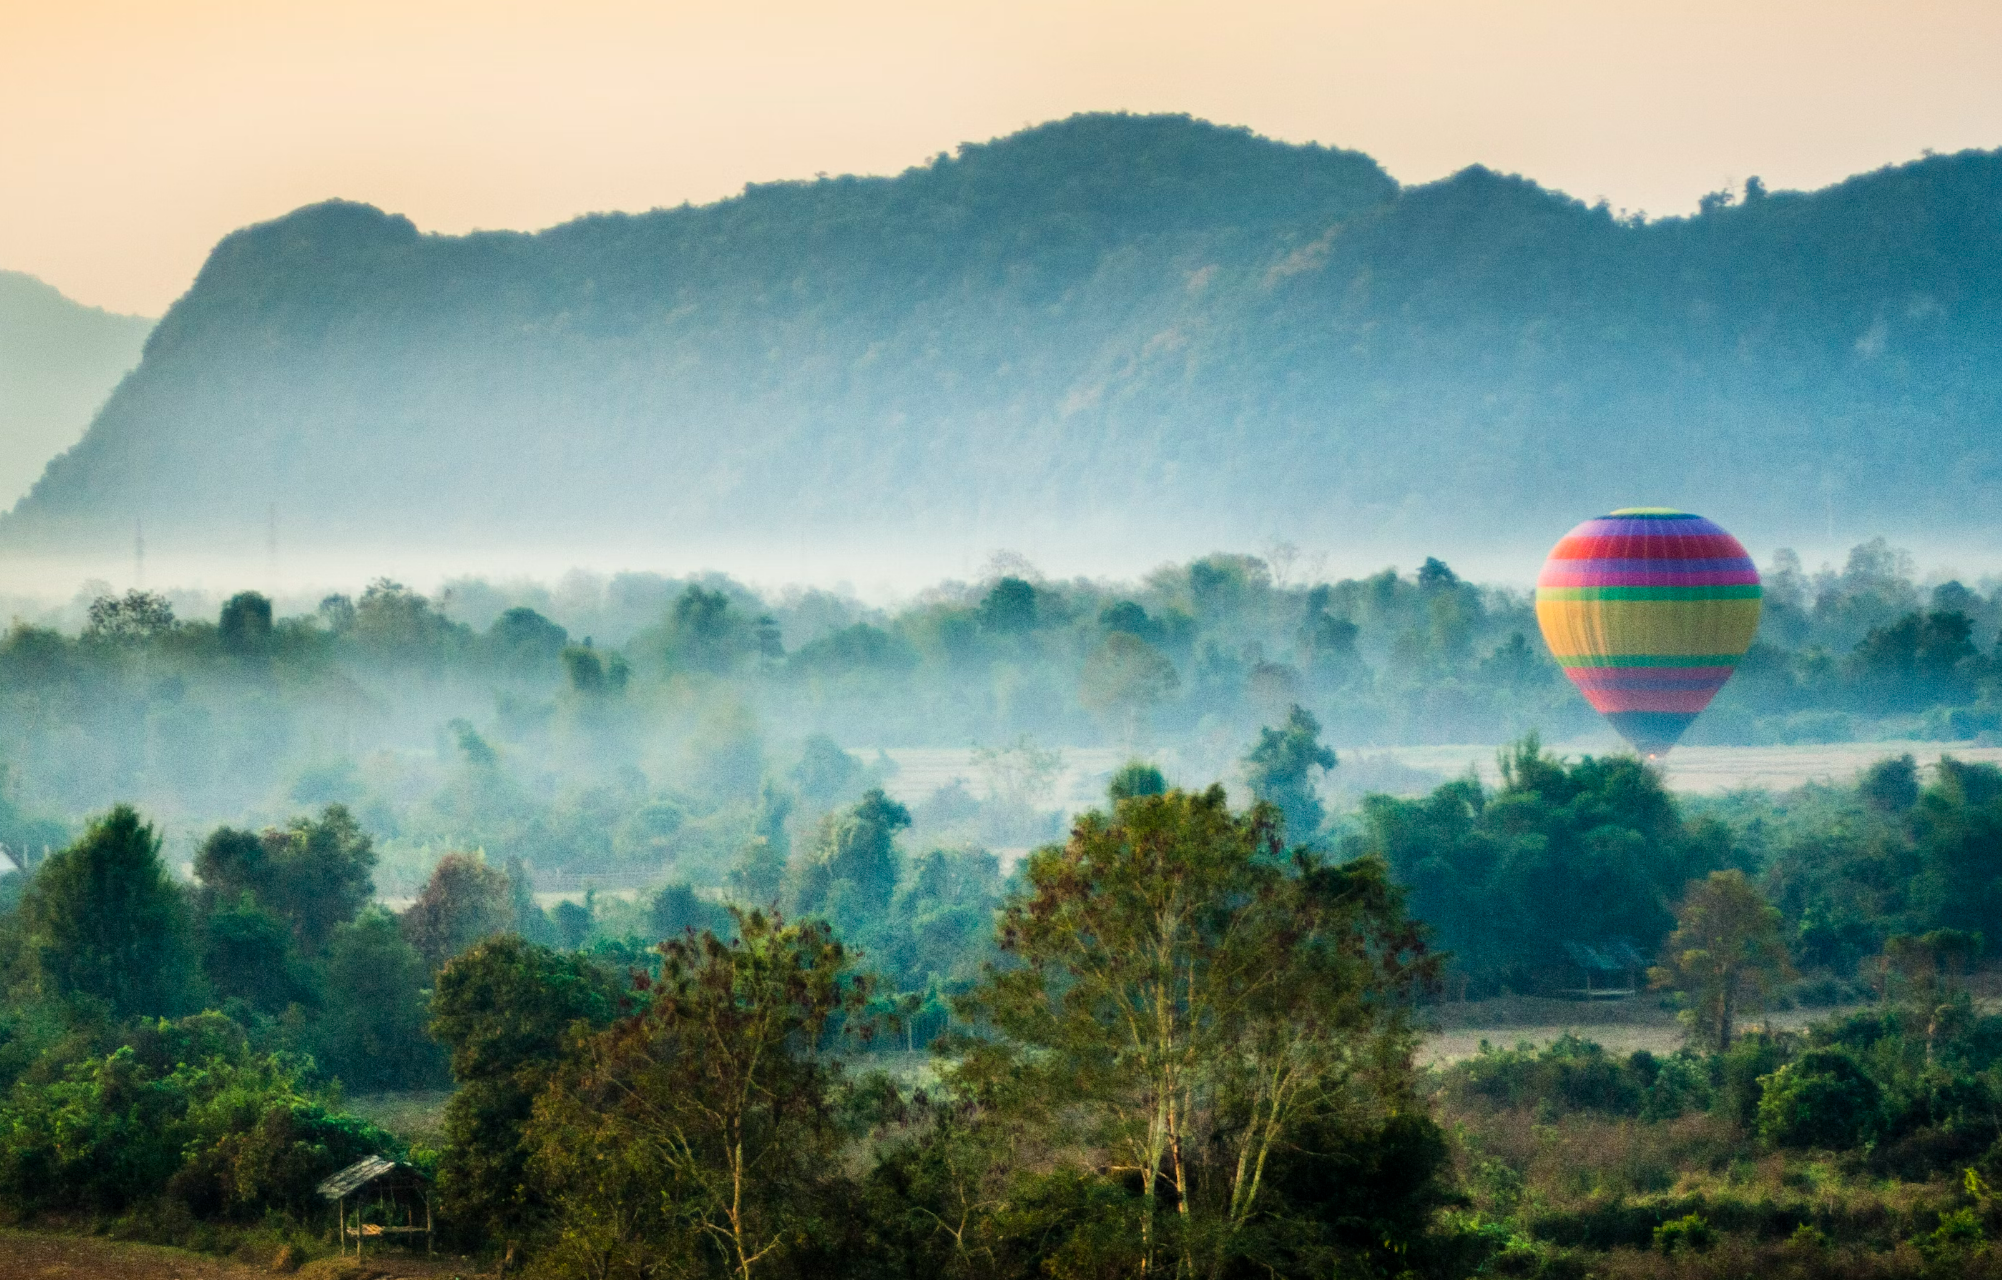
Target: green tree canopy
[(104, 921), (315, 873), (1592, 851), (1281, 771), (505, 1011), (464, 901), (712, 1105), (1189, 1000), (1725, 955)]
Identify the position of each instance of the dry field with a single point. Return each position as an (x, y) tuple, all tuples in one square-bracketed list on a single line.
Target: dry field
[(37, 1255)]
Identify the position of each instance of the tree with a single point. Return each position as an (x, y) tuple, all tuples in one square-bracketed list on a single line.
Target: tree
[(1136, 778), (1890, 786), (464, 901), (824, 772), (505, 1011), (759, 875), (245, 625), (524, 641), (1725, 954), (854, 867), (703, 634), (593, 677), (1280, 771), (1009, 608), (1591, 851), (136, 616), (530, 920), (1124, 678), (315, 874), (370, 1028), (1196, 998), (713, 1103), (248, 954), (104, 921), (677, 910)]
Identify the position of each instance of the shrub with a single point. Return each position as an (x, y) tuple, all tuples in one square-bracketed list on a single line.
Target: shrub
[(1570, 1075), (1691, 1232), (1822, 1100)]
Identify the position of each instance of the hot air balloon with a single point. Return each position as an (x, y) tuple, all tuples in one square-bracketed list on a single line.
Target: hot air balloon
[(1648, 611)]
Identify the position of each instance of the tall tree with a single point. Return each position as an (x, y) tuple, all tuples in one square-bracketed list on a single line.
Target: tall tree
[(370, 1028), (244, 625), (1195, 998), (505, 1010), (853, 868), (714, 1102), (1281, 771), (103, 920), (1726, 953)]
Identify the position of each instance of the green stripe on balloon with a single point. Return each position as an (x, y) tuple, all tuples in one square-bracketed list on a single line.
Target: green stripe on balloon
[(1645, 660), (1738, 592)]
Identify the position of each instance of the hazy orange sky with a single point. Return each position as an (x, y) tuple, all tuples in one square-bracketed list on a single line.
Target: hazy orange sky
[(134, 134)]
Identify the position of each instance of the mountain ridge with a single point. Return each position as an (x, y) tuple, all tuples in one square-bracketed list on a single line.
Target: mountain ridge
[(59, 359), (1107, 329)]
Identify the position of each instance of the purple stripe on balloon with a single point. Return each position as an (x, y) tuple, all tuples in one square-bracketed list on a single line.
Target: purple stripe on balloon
[(1568, 577), (1691, 564)]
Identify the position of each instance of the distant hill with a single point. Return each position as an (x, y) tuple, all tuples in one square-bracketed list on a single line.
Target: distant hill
[(58, 361), (1124, 329)]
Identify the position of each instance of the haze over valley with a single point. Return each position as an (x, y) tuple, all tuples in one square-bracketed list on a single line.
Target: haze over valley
[(1143, 699)]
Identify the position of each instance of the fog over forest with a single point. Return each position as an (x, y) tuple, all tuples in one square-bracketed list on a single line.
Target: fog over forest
[(552, 723)]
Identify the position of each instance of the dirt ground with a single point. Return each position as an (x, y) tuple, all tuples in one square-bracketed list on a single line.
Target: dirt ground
[(34, 1255)]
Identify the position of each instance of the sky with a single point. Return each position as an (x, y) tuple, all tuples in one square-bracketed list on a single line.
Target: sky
[(135, 133)]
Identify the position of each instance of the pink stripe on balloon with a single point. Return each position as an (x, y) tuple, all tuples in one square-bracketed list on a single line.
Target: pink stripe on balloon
[(1690, 700)]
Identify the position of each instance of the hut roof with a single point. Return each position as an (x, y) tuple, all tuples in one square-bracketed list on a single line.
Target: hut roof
[(360, 1174)]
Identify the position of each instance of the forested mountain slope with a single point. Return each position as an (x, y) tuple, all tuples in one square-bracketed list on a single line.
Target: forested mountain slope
[(1128, 327), (58, 361)]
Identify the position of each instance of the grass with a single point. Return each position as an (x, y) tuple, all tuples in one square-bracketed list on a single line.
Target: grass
[(416, 1117), (1585, 1194)]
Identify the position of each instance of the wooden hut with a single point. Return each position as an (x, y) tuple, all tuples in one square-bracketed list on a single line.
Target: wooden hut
[(381, 1199)]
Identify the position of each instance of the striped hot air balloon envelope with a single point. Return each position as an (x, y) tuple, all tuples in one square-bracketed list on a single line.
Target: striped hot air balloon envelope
[(1648, 611)]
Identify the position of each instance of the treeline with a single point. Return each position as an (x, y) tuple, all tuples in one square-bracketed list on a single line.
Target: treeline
[(693, 717), (1566, 873)]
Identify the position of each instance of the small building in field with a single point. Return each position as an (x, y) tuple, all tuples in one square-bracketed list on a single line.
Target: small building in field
[(380, 1199)]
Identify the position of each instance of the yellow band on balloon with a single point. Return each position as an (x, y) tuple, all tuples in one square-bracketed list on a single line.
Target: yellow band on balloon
[(1670, 628)]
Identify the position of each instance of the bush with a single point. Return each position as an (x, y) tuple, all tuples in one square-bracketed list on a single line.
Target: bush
[(186, 1111), (1822, 1100), (1570, 1075), (1691, 1232)]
